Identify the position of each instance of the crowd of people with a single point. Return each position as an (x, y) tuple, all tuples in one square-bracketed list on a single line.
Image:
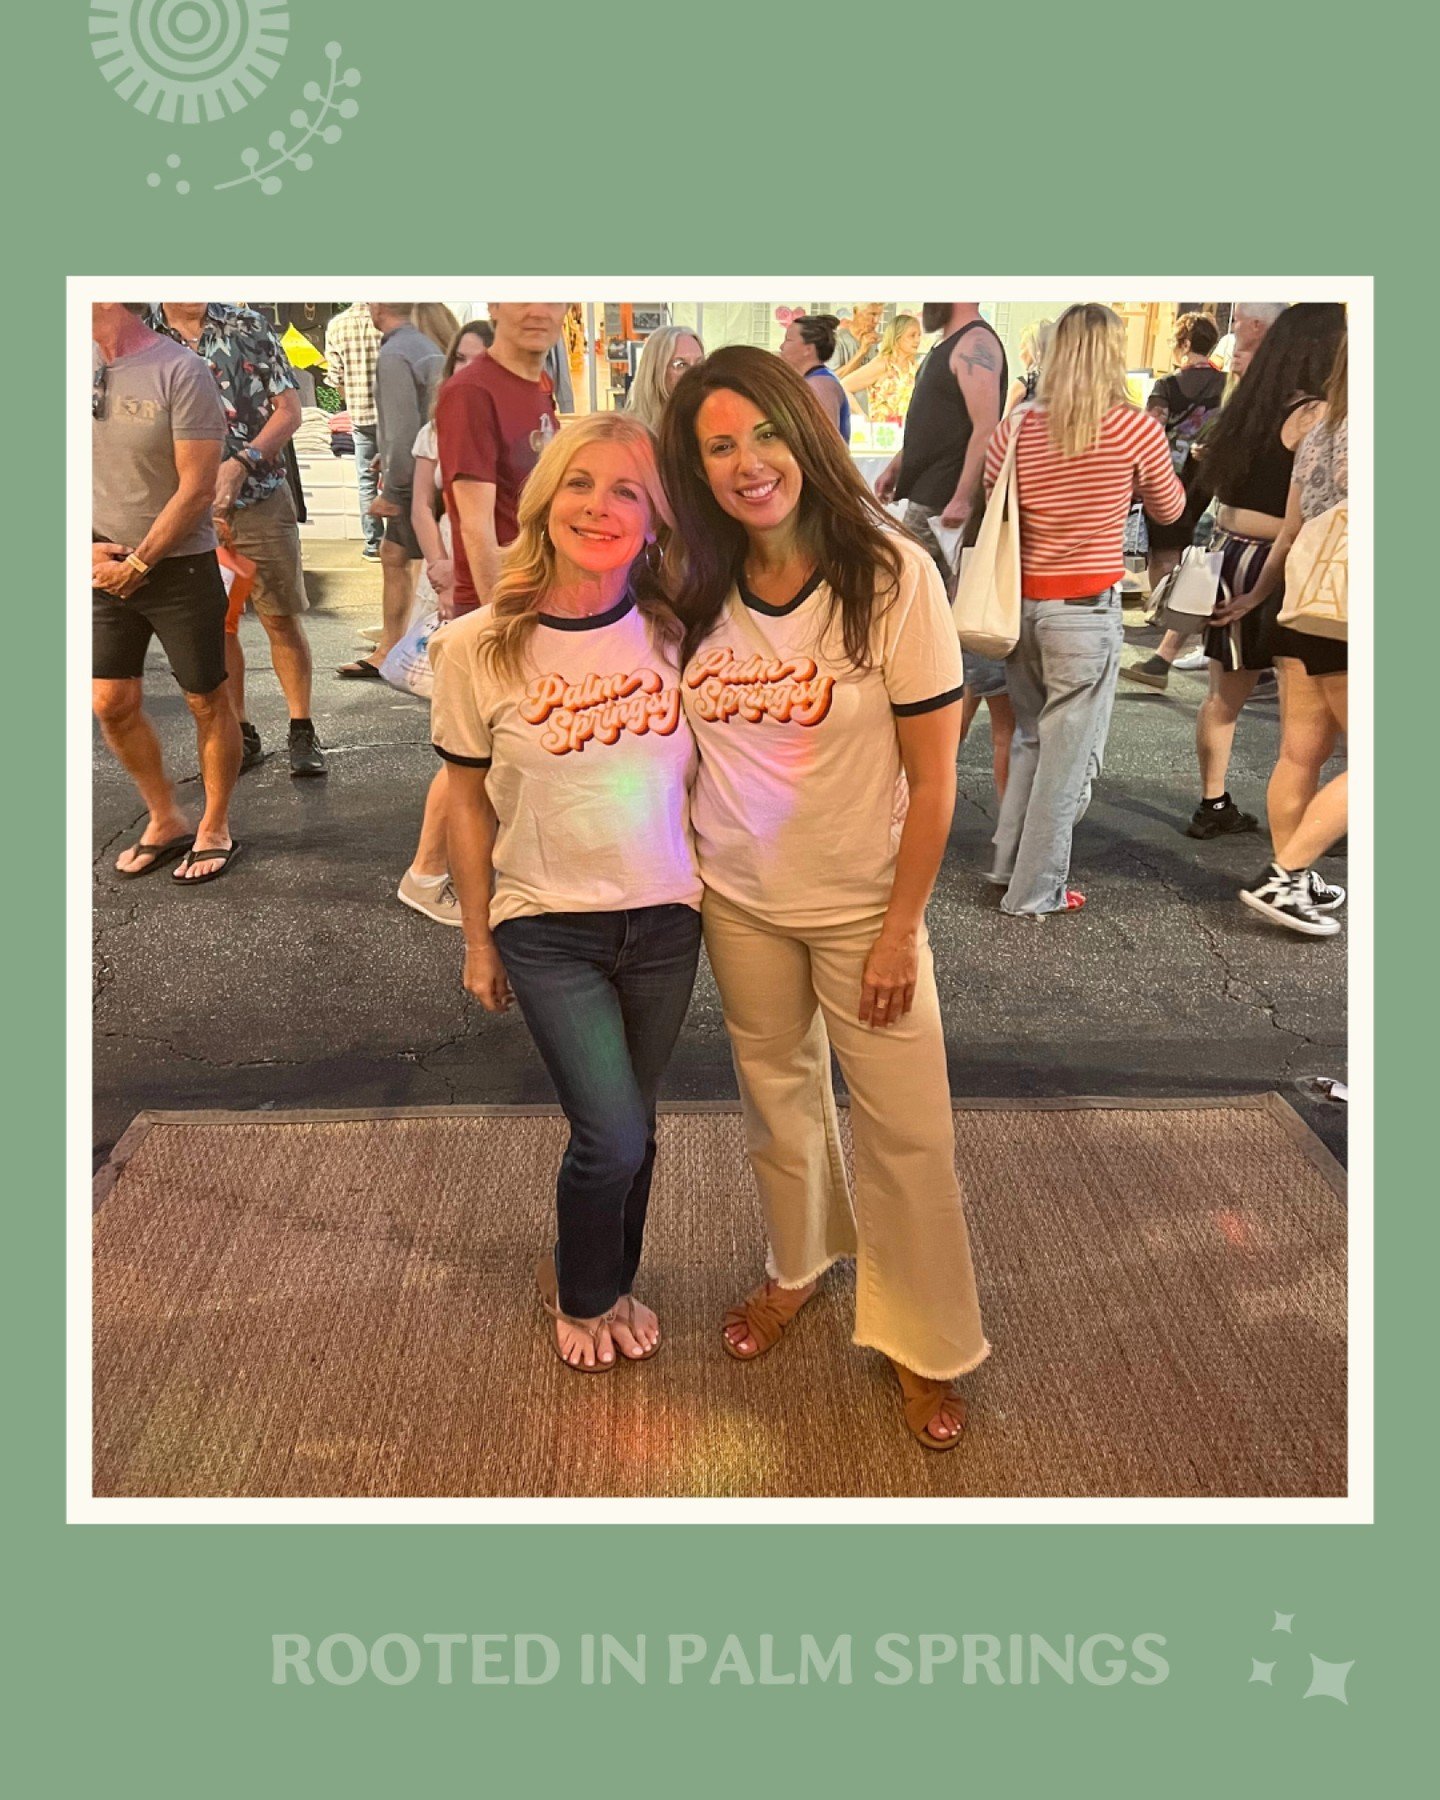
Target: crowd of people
[(697, 678)]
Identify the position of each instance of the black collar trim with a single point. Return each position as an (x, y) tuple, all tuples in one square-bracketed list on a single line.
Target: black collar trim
[(591, 621), (778, 612)]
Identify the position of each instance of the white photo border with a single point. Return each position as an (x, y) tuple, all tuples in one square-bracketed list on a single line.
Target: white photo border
[(1355, 1508)]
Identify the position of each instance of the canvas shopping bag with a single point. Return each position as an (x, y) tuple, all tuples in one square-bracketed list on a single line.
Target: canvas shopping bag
[(1317, 576), (987, 597)]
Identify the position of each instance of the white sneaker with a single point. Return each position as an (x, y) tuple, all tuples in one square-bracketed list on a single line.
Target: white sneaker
[(1194, 664), (437, 899)]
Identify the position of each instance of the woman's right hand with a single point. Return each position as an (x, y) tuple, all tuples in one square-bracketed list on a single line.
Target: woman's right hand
[(484, 978)]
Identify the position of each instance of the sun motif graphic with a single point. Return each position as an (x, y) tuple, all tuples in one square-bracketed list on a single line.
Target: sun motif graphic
[(188, 61)]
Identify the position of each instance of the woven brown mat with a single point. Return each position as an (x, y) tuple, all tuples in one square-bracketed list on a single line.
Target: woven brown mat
[(333, 1304)]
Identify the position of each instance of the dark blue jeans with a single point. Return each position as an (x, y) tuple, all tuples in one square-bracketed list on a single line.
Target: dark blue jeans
[(604, 995)]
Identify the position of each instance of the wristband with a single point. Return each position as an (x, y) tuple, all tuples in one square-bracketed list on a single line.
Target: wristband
[(140, 568)]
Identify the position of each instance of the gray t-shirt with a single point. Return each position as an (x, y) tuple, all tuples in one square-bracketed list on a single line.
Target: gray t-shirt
[(160, 394)]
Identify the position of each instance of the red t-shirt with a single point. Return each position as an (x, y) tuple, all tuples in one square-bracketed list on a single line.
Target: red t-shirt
[(490, 425)]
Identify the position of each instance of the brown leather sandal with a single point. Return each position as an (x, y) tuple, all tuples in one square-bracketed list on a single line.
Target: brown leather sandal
[(921, 1399), (624, 1314), (549, 1288), (765, 1314)]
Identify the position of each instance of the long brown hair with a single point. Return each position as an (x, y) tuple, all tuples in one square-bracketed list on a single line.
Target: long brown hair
[(1293, 363), (527, 567), (842, 524), (1337, 388)]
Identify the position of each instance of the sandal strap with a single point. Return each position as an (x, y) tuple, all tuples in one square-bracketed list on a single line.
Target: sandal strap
[(766, 1313), (592, 1327), (922, 1398)]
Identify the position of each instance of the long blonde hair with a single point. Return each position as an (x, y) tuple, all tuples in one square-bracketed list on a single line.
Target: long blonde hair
[(647, 397), (1082, 376), (894, 331), (1337, 388), (1037, 338), (527, 568), (437, 322)]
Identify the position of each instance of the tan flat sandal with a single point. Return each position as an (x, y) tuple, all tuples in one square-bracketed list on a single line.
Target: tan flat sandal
[(921, 1399), (549, 1287), (766, 1315)]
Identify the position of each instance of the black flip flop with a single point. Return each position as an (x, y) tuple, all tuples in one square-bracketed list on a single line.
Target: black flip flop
[(359, 670), (192, 855), (159, 855)]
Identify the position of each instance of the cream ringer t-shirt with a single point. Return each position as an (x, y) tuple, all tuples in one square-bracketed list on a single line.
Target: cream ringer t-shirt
[(801, 794), (590, 762)]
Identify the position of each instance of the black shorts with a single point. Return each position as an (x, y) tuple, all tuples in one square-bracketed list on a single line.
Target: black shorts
[(1316, 655), (182, 602), (401, 531)]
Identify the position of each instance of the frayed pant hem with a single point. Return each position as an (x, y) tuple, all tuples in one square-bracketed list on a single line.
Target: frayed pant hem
[(894, 1355), (773, 1274)]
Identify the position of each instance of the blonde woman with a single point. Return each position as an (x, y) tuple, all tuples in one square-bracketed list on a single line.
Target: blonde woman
[(437, 322), (1034, 342), (889, 376), (1081, 451), (557, 711), (666, 355)]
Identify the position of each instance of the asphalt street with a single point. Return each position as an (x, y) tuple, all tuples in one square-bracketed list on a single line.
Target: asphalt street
[(299, 980)]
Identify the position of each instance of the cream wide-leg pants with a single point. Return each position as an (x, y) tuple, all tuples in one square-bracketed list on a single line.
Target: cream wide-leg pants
[(788, 994)]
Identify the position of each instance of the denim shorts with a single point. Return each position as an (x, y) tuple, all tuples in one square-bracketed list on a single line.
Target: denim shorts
[(984, 675)]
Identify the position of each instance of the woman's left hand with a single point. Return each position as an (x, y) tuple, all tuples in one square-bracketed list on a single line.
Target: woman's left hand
[(1235, 608), (887, 988)]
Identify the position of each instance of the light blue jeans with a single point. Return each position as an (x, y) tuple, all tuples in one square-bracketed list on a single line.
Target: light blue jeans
[(367, 480), (1062, 676)]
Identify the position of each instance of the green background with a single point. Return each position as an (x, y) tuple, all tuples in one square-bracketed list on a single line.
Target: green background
[(751, 139)]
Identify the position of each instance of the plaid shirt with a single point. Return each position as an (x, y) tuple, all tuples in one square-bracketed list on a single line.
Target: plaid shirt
[(351, 346), (251, 370)]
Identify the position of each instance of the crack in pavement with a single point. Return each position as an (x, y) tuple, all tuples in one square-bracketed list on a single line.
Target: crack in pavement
[(1235, 987)]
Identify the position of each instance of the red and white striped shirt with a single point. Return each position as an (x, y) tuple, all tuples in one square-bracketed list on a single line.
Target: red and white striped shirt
[(1073, 508)]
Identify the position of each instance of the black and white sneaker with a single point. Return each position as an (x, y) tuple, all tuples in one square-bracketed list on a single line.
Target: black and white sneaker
[(1324, 895), (1285, 900)]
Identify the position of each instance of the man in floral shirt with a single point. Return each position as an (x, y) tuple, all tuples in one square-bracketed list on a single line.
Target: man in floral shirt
[(254, 508)]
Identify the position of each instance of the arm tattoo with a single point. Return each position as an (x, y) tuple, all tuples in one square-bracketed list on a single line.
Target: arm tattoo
[(977, 355)]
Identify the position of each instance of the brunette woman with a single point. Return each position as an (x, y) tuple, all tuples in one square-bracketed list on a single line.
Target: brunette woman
[(1306, 819), (823, 684), (808, 346), (1249, 454), (557, 711)]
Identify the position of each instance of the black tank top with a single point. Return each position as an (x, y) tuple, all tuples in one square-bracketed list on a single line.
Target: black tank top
[(938, 427), (1265, 485)]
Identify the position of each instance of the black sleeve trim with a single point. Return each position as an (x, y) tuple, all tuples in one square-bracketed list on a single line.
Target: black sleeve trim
[(465, 762), (912, 708)]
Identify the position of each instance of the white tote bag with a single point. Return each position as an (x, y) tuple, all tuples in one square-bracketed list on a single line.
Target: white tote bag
[(1185, 598), (407, 667), (987, 599)]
